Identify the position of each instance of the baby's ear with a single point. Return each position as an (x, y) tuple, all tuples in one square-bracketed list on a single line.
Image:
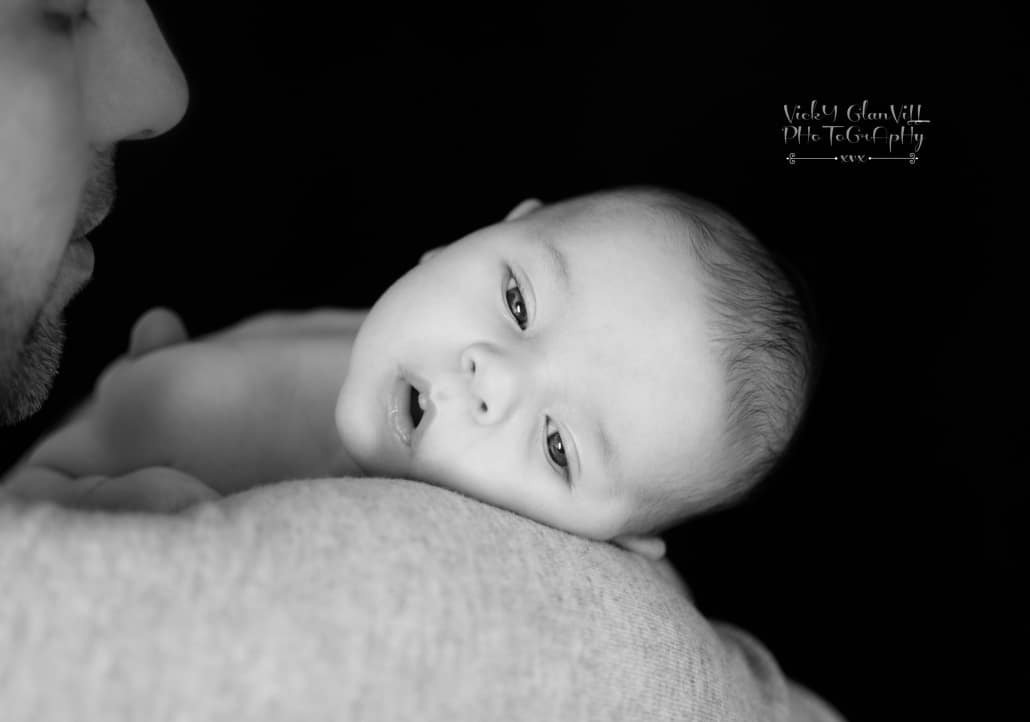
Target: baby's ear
[(652, 547), (524, 208), (430, 253)]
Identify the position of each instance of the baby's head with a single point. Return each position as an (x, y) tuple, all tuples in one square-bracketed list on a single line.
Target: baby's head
[(609, 365)]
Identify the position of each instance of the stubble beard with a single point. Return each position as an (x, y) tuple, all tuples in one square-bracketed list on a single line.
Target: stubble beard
[(27, 377), (28, 368)]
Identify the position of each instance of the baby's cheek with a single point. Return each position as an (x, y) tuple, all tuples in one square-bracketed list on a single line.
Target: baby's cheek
[(461, 462), (363, 437), (355, 434)]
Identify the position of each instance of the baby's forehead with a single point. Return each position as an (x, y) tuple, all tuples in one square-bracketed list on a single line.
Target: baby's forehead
[(614, 227), (613, 263)]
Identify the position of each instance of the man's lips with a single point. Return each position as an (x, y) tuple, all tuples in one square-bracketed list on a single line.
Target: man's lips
[(79, 255), (74, 272), (98, 195), (91, 217)]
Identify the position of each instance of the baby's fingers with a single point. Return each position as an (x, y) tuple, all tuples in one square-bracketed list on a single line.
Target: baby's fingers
[(156, 489), (155, 329)]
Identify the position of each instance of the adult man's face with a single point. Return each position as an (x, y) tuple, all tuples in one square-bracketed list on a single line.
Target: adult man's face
[(76, 77)]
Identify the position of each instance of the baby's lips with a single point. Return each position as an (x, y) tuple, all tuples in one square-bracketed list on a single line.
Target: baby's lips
[(416, 380), (428, 416), (397, 412)]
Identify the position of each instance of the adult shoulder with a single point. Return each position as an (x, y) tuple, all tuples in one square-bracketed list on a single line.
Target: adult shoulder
[(356, 599)]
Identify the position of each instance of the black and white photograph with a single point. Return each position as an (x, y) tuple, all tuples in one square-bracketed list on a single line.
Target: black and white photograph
[(505, 363)]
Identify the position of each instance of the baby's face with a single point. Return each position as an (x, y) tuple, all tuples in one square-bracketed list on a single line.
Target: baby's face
[(546, 369)]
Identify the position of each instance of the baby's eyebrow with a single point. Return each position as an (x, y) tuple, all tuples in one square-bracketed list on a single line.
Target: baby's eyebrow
[(608, 455), (557, 262)]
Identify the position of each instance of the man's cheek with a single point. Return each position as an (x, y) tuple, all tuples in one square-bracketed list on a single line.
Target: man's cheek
[(44, 164)]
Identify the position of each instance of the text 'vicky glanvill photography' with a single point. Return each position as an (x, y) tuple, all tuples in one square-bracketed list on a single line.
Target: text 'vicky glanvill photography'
[(855, 133)]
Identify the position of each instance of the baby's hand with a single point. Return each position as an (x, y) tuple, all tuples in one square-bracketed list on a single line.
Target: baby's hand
[(115, 431), (156, 489), (156, 328)]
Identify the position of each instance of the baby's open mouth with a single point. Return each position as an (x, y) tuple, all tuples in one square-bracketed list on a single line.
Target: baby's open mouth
[(408, 408), (416, 406)]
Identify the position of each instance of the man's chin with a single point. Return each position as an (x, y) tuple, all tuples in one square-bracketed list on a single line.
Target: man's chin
[(27, 376)]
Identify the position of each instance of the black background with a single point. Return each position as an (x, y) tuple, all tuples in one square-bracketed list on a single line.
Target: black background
[(325, 149)]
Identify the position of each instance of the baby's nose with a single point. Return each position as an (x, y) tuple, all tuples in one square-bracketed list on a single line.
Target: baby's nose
[(493, 381)]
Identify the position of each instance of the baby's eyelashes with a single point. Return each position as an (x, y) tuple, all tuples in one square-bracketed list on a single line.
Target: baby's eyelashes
[(516, 302), (556, 452)]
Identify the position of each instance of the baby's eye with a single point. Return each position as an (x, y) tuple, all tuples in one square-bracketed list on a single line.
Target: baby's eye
[(516, 303), (556, 450)]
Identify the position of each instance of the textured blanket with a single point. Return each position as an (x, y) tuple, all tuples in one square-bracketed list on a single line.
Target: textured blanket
[(357, 599)]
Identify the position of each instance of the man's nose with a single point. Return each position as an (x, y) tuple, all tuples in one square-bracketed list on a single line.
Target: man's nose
[(495, 380), (134, 87)]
